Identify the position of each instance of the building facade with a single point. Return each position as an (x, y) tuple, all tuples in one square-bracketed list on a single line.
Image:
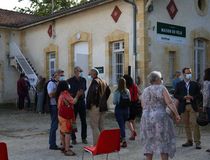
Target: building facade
[(101, 34)]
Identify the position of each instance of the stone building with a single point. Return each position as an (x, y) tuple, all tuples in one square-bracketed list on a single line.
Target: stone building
[(116, 36)]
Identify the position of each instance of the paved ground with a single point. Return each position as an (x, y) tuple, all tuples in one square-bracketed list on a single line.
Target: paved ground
[(26, 134)]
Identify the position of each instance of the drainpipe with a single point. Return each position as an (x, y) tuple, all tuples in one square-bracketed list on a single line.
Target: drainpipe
[(135, 10)]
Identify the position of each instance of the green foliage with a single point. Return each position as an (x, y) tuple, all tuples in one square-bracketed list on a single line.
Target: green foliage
[(44, 7)]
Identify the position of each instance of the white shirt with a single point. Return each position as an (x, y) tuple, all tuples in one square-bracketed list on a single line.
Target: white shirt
[(51, 88)]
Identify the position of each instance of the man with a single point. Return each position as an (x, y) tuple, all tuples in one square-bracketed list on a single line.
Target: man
[(176, 79), (22, 90), (51, 89), (97, 96), (77, 82), (188, 92)]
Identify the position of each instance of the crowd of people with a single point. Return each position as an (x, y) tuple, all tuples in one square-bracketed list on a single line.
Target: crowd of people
[(158, 109)]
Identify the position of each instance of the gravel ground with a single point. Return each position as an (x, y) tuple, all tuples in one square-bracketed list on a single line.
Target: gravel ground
[(26, 134)]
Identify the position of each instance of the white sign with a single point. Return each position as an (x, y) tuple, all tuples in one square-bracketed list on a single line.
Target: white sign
[(171, 39)]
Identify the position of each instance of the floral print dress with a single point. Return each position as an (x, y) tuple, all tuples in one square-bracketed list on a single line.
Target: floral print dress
[(157, 132)]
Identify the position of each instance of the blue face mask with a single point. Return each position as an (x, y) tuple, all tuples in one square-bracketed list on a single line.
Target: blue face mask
[(188, 76), (90, 78), (81, 74), (62, 78)]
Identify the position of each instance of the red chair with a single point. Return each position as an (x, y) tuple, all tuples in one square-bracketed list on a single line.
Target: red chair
[(3, 151), (108, 142)]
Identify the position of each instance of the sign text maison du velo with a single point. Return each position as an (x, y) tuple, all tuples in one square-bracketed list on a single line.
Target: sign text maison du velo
[(171, 33)]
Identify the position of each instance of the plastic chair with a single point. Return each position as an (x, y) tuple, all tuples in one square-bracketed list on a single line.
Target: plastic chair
[(3, 151), (108, 142)]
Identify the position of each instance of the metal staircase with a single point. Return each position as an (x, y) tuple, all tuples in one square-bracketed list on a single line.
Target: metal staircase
[(22, 64)]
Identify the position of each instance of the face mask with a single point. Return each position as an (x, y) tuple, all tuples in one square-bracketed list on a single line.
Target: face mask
[(81, 74), (62, 78), (188, 76), (89, 78)]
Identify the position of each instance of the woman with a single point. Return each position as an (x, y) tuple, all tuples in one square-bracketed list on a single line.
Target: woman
[(122, 99), (66, 115), (40, 95), (133, 109), (206, 94), (157, 129)]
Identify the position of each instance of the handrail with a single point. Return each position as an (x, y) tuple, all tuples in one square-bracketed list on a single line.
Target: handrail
[(16, 52)]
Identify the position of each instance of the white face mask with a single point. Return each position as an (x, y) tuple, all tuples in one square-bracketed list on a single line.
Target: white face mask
[(188, 76)]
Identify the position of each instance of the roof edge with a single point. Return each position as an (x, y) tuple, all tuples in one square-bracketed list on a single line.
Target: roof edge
[(65, 13)]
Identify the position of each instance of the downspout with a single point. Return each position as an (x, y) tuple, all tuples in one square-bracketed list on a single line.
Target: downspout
[(135, 10)]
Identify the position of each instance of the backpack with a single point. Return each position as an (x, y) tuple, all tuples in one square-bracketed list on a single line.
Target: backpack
[(125, 101)]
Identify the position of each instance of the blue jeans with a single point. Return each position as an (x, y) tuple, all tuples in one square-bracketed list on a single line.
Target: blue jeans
[(122, 115), (54, 125)]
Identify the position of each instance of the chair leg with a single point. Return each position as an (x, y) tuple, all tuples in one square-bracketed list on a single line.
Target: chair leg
[(118, 155), (107, 156)]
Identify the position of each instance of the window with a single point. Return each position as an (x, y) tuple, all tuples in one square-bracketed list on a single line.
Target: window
[(117, 61), (199, 58), (201, 7), (201, 4), (171, 61), (51, 63)]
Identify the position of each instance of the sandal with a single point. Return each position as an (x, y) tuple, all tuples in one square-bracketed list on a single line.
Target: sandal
[(69, 153), (62, 149)]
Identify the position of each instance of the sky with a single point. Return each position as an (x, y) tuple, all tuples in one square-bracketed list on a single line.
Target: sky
[(11, 4)]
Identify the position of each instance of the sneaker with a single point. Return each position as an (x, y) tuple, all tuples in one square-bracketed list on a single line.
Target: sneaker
[(84, 141), (74, 141), (187, 144), (198, 146)]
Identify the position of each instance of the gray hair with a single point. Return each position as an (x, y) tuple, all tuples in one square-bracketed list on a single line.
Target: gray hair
[(154, 76), (95, 70)]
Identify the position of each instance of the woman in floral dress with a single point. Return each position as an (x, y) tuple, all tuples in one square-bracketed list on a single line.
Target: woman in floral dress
[(157, 128)]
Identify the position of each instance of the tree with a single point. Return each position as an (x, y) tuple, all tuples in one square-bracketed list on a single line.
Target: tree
[(45, 7)]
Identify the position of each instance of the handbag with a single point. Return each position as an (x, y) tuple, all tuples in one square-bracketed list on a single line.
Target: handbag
[(202, 119)]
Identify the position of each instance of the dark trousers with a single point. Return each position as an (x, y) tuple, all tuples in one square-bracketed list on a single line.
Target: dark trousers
[(54, 125), (79, 108), (122, 115), (28, 101), (21, 100)]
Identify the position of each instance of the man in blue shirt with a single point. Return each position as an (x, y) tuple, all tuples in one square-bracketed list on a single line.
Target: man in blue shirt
[(76, 83), (176, 79)]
